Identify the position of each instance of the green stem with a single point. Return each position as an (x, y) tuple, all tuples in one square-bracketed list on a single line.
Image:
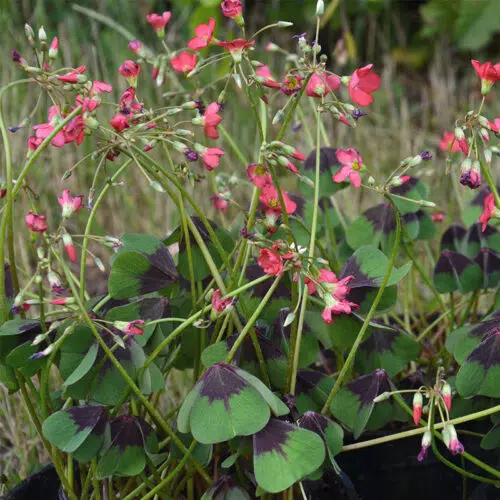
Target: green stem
[(252, 319), (303, 306), (88, 227), (371, 313)]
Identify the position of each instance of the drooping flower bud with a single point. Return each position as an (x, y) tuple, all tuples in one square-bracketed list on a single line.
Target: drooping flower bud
[(417, 407), (69, 246), (426, 442), (446, 393)]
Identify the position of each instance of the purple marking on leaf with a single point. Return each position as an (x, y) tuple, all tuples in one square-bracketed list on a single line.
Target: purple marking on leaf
[(452, 237), (488, 260), (202, 229), (451, 262), (300, 202), (127, 430), (221, 488), (405, 188), (476, 234), (89, 417), (383, 219), (162, 269), (327, 160), (272, 437), (308, 380), (154, 308), (487, 353), (315, 422), (246, 350), (380, 341), (220, 382), (486, 327), (369, 386), (352, 268), (32, 327)]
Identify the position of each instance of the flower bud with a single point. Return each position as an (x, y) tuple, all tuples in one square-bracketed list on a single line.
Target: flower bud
[(69, 246), (99, 264), (284, 24), (30, 34), (446, 393), (42, 36), (320, 7), (417, 407), (459, 133), (426, 442), (382, 397)]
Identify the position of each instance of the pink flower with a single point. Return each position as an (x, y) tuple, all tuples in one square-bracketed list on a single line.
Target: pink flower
[(219, 203), (265, 78), (130, 70), (34, 142), (135, 46), (159, 22), (204, 34), (211, 157), (219, 304), (270, 261), (236, 47), (184, 62), (258, 174), (335, 296), (211, 120), (351, 164), (100, 87), (69, 204), (119, 122), (291, 84), (362, 84), (231, 8), (128, 102), (36, 223), (448, 141), (74, 76), (488, 73), (271, 200), (316, 86), (45, 129), (488, 211)]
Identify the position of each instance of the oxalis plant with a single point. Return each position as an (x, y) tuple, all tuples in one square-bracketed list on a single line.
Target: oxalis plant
[(284, 320)]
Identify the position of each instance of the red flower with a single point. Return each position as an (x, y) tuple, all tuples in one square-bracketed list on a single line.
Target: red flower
[(211, 157), (219, 203), (74, 76), (258, 174), (265, 78), (211, 120), (362, 84), (291, 84), (159, 22), (128, 102), (231, 8), (184, 62), (36, 223), (270, 261), (236, 47), (488, 211), (270, 198), (337, 292), (316, 86), (488, 73), (45, 129), (119, 122), (130, 70), (54, 48), (219, 304), (204, 34), (448, 141), (100, 87), (351, 164), (69, 204)]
